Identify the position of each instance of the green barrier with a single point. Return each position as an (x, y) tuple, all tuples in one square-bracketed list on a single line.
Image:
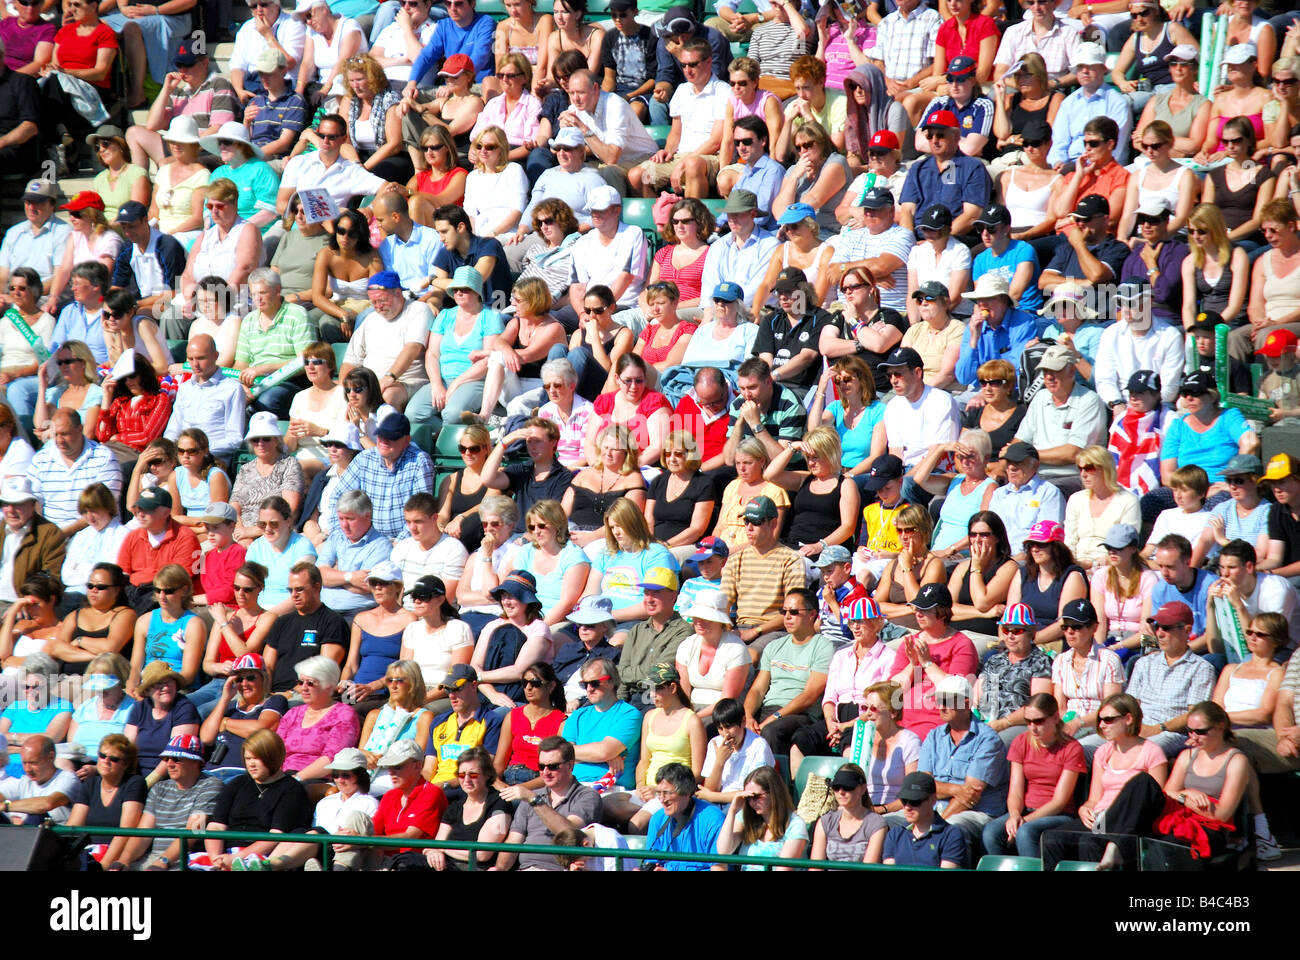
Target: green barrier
[(1252, 408), (261, 384), (472, 847)]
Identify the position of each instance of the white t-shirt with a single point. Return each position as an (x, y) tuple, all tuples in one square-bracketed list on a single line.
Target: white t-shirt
[(594, 262), (927, 266), (17, 461), (249, 44), (445, 559), (706, 688), (25, 788), (377, 342), (432, 651), (698, 112), (1174, 520), (391, 42), (753, 753), (1273, 594), (934, 418), (331, 810)]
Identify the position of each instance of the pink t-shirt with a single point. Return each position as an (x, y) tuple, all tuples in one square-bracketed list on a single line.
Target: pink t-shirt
[(739, 110), (954, 655), (687, 278), (1043, 767), (1125, 616), (652, 354), (339, 728), (1112, 781), (838, 62)]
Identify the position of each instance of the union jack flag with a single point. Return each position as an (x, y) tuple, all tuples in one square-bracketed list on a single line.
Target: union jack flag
[(1135, 444)]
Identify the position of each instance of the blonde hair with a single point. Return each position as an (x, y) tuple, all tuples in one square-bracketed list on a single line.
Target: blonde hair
[(825, 442), (686, 440), (626, 440), (1099, 457), (503, 149), (628, 516), (415, 689), (552, 513), (368, 67), (222, 191), (978, 440), (1034, 65), (89, 366), (915, 517), (520, 63), (1207, 217), (534, 294)]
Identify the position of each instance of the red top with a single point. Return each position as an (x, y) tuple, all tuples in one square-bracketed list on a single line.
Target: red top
[(710, 437), (688, 277), (140, 560), (977, 28), (651, 401), (217, 581), (82, 53), (651, 354), (398, 812), (954, 655), (135, 421), (424, 183), (1043, 767), (525, 736)]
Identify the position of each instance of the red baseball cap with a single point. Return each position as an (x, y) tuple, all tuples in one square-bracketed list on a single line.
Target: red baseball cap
[(89, 198), (1276, 344), (455, 65), (1173, 613), (884, 140), (941, 118)]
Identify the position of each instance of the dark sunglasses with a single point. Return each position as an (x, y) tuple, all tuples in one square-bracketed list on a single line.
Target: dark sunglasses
[(1190, 729), (1034, 143), (553, 767), (109, 757), (743, 141), (993, 383), (594, 683), (530, 682), (472, 448), (1232, 141), (1093, 144)]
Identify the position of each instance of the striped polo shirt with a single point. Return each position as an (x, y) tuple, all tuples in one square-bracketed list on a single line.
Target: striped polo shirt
[(289, 334)]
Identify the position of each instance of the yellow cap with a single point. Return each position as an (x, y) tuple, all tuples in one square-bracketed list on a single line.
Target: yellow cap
[(1282, 466)]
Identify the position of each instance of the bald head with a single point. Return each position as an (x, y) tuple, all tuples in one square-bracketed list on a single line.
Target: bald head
[(390, 203)]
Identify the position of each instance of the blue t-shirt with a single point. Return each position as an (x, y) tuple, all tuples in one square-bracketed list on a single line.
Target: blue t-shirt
[(700, 835), (91, 729), (796, 829), (942, 842), (1005, 266), (153, 734), (1210, 450), (1198, 598), (551, 585), (278, 565), (623, 572), (622, 721), (1238, 528), (856, 442), (1086, 339), (455, 352), (23, 720)]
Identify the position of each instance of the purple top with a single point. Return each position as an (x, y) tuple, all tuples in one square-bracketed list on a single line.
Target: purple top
[(739, 110), (838, 62), (21, 40)]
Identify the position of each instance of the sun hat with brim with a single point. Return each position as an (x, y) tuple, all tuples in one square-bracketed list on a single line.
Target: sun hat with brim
[(186, 746), (520, 584), (216, 513), (1072, 294), (230, 130), (84, 200), (107, 132), (741, 201), (466, 278), (99, 682), (349, 758), (349, 437), (1120, 535), (403, 751), (592, 610), (263, 424), (183, 129), (155, 673), (710, 605), (17, 490)]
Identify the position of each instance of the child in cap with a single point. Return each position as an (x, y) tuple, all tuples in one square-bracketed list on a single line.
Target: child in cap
[(839, 589), (1282, 382), (710, 557)]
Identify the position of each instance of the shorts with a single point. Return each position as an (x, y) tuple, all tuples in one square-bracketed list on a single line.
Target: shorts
[(659, 173)]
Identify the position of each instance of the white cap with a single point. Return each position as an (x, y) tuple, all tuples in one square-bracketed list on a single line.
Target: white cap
[(1090, 53), (1154, 207), (602, 198), (1240, 53), (1184, 51)]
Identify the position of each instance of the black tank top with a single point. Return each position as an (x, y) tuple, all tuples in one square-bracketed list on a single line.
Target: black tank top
[(1019, 116), (975, 624), (589, 506), (471, 528), (1152, 65), (1215, 296), (816, 515), (78, 632), (1046, 604)]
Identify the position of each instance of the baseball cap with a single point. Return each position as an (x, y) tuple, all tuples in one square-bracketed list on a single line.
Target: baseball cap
[(710, 547), (1057, 357), (40, 189), (1206, 321), (1036, 129), (218, 513), (568, 137), (83, 200), (883, 140), (620, 6), (1079, 611), (1196, 384), (189, 52), (455, 65), (728, 291), (1240, 53), (848, 777), (1020, 451), (884, 468), (930, 596), (349, 758), (877, 198), (1279, 342), (404, 751), (917, 787), (1183, 51), (941, 118), (1172, 613), (270, 60), (1046, 531), (249, 661), (960, 68), (385, 571), (384, 280), (602, 198), (935, 217), (426, 588), (394, 427), (1144, 381), (760, 509), (345, 436), (791, 278), (903, 357), (662, 673), (795, 213), (954, 685), (994, 215), (1281, 466), (658, 578), (930, 290), (153, 498), (1244, 465), (459, 675), (835, 553), (186, 746), (1090, 54), (1154, 207), (1120, 535), (1093, 205), (133, 211), (678, 19)]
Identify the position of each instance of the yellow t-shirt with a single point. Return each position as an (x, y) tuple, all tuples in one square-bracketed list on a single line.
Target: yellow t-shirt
[(881, 532)]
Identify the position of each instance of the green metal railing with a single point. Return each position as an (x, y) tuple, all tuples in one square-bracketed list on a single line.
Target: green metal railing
[(472, 847)]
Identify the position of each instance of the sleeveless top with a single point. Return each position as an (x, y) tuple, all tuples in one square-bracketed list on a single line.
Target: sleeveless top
[(341, 289), (1213, 296), (78, 631), (195, 499), (975, 624), (739, 110), (525, 736), (689, 278), (424, 183), (376, 654), (1046, 604), (1256, 122), (166, 641), (1211, 786), (665, 749), (813, 270), (533, 369), (1180, 122), (854, 847), (471, 528), (816, 515), (454, 818), (224, 652), (1151, 63), (589, 506), (1019, 116), (1281, 294), (1237, 206), (652, 354), (957, 510), (1027, 207), (1244, 693), (217, 258), (1168, 193)]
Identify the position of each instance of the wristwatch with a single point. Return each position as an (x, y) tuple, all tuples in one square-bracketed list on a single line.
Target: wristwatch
[(536, 801)]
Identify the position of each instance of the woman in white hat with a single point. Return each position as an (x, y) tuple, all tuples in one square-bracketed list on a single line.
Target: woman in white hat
[(244, 165), (178, 195), (1072, 325), (273, 471), (1241, 99), (712, 663)]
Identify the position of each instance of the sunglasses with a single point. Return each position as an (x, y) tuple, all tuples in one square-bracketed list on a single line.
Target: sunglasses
[(743, 141), (850, 287), (682, 222), (993, 383), (1110, 719), (793, 611), (329, 136), (531, 682), (553, 767), (70, 361), (511, 76), (1034, 143), (1259, 634), (1232, 141), (472, 448), (1015, 631), (166, 591), (590, 684), (534, 527), (690, 64), (99, 586), (1094, 144), (1278, 81), (1200, 732)]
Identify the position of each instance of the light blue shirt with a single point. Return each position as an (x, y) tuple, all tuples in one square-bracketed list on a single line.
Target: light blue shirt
[(1005, 266), (1020, 509), (413, 258), (572, 188), (1075, 112), (1086, 339), (41, 248), (278, 564), (75, 324), (764, 180), (216, 407), (979, 754), (745, 264), (343, 554), (59, 485)]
